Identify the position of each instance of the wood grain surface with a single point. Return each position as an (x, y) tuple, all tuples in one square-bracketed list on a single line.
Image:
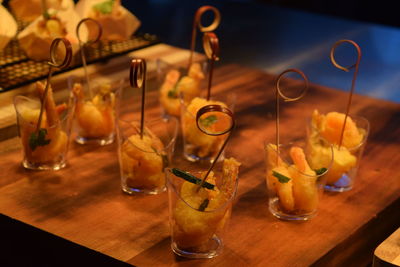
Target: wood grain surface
[(84, 203)]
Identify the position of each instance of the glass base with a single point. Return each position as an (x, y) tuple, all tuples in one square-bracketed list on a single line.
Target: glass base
[(342, 185), (274, 208), (131, 191), (41, 166), (215, 249), (97, 141)]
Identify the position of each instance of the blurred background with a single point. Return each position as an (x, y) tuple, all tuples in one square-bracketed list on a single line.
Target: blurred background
[(274, 35)]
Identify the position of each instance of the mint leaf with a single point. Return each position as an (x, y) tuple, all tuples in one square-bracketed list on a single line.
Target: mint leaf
[(105, 7), (173, 93), (320, 171), (210, 120), (190, 178), (204, 204), (281, 178), (38, 139)]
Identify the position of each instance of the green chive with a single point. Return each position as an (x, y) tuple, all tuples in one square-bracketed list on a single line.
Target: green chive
[(190, 178)]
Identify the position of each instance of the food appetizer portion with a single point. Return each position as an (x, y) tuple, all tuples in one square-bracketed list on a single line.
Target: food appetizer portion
[(143, 157), (94, 117), (198, 145), (29, 10), (44, 147), (199, 212), (36, 39), (174, 87), (116, 21), (325, 130), (294, 188), (8, 27)]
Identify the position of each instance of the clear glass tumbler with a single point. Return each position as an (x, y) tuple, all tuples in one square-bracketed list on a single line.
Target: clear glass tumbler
[(142, 160), (294, 188), (346, 159), (44, 148), (198, 216), (94, 117)]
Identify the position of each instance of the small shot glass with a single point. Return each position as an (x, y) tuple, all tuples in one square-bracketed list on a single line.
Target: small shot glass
[(198, 146), (44, 148), (142, 160), (294, 188), (346, 159), (199, 216), (95, 108)]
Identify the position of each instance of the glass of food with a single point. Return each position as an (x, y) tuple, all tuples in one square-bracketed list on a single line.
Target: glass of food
[(324, 131), (198, 146), (142, 159), (294, 188), (44, 147), (175, 80), (199, 213), (94, 116)]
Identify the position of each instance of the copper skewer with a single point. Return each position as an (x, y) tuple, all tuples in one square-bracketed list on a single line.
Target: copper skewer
[(53, 64), (197, 22), (211, 49), (353, 82), (215, 108), (83, 44), (278, 93), (138, 79)]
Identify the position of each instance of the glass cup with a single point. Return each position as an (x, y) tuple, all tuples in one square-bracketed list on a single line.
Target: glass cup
[(346, 160), (198, 146), (198, 216), (94, 117), (51, 147), (176, 79), (142, 160), (294, 189)]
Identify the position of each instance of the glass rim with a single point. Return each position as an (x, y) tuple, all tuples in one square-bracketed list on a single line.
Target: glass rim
[(167, 146), (20, 117), (293, 166), (168, 172), (355, 118)]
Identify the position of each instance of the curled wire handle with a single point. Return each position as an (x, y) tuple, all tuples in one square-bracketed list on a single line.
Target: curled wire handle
[(99, 31), (353, 82), (197, 23), (213, 25), (137, 72), (53, 64), (278, 88), (137, 79), (332, 55), (53, 53), (211, 49), (211, 45), (215, 108), (286, 99)]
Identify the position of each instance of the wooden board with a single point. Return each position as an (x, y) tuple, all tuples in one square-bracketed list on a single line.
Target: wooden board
[(84, 203)]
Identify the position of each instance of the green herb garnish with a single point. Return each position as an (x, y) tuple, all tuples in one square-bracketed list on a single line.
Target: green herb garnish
[(281, 178), (38, 139), (210, 120), (204, 204), (173, 93), (320, 171), (105, 7), (190, 178)]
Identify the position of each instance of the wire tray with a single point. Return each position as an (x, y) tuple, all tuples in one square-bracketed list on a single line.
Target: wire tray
[(16, 69)]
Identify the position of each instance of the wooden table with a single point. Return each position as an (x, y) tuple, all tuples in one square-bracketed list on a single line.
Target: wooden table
[(83, 203)]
